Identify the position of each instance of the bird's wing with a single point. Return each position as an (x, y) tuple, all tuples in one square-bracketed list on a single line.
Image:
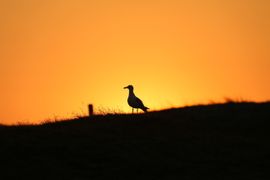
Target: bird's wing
[(139, 102)]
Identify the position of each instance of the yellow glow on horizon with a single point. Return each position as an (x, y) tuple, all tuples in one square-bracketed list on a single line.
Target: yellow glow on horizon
[(57, 56)]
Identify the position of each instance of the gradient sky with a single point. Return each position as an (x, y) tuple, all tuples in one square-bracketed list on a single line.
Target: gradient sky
[(56, 56)]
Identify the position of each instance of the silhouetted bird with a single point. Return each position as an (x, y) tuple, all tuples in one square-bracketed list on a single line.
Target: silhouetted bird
[(133, 101)]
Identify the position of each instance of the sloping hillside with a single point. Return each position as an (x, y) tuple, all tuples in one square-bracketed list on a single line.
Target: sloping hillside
[(223, 141)]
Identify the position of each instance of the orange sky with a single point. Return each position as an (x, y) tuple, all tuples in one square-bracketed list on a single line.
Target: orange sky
[(56, 56)]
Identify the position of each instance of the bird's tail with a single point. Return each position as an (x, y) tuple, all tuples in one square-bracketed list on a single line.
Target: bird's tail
[(145, 109)]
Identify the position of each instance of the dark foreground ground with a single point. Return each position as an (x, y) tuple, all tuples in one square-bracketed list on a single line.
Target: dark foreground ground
[(226, 141)]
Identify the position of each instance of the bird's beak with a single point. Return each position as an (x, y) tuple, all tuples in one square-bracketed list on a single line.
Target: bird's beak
[(125, 87)]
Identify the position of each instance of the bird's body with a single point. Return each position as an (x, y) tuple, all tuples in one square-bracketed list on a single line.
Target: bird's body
[(134, 101)]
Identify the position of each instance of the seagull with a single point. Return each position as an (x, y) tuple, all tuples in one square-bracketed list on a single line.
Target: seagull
[(133, 101)]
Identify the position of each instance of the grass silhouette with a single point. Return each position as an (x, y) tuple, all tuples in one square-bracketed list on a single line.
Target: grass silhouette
[(218, 141)]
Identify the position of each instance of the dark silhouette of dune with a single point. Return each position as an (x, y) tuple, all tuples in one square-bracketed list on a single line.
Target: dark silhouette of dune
[(222, 141)]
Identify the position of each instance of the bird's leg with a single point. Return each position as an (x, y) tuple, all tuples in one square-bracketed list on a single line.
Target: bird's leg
[(137, 110), (132, 110)]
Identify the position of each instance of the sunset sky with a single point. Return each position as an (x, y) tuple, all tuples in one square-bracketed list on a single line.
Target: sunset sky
[(56, 56)]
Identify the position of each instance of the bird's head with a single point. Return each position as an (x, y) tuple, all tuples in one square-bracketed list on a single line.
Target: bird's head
[(129, 87)]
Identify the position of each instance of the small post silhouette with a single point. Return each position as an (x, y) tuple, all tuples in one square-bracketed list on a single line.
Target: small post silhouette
[(90, 110)]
